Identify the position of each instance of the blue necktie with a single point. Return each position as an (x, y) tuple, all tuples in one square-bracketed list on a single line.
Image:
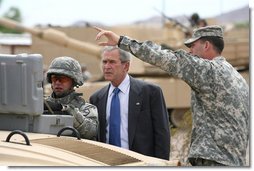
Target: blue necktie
[(115, 120)]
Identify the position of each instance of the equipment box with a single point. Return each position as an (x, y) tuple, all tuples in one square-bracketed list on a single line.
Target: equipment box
[(21, 78), (52, 124), (21, 96), (49, 124)]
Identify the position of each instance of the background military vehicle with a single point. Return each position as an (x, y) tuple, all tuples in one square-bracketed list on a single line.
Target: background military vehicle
[(79, 43)]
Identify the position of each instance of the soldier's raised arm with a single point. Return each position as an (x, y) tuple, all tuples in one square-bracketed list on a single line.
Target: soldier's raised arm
[(218, 92), (112, 37)]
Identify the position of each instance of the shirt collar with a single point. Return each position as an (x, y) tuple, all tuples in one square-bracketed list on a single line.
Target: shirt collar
[(123, 86)]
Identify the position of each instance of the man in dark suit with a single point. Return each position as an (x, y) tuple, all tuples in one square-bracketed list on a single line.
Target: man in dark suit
[(144, 124)]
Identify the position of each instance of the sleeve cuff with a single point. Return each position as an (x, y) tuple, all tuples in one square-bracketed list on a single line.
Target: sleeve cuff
[(119, 41), (124, 43)]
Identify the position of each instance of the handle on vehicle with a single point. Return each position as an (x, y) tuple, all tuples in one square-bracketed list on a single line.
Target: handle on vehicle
[(20, 133), (77, 134)]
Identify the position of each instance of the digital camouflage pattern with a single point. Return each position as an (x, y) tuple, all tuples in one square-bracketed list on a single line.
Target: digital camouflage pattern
[(66, 66), (219, 100), (85, 114), (204, 32)]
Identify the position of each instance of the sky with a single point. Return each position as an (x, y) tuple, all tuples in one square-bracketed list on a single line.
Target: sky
[(113, 12)]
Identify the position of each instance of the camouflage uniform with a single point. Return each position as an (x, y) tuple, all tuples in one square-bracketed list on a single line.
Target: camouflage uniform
[(85, 114), (219, 99)]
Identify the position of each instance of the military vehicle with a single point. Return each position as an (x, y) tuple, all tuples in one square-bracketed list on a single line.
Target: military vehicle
[(176, 92), (18, 148), (172, 35)]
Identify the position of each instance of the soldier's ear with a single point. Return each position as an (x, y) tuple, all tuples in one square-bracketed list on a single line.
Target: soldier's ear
[(207, 45)]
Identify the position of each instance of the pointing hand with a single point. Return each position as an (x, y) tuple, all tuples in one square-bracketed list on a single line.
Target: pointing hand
[(112, 37)]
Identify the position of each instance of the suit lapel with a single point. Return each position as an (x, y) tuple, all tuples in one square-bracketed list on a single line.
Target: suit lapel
[(135, 102), (102, 103)]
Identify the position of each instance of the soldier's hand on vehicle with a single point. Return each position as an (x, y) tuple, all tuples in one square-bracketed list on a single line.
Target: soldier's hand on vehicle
[(112, 37), (68, 108), (52, 106), (72, 110)]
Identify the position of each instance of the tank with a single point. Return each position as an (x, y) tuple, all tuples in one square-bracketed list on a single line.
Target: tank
[(53, 42), (83, 47)]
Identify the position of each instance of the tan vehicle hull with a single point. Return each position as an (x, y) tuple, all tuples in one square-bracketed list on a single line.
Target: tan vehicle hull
[(50, 150)]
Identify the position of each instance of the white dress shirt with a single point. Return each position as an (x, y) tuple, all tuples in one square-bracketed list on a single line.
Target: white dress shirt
[(124, 104)]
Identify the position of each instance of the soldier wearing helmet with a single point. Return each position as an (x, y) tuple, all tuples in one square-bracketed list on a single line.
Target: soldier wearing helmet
[(64, 74)]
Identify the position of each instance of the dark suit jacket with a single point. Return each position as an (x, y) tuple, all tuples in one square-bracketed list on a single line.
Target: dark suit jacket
[(148, 123)]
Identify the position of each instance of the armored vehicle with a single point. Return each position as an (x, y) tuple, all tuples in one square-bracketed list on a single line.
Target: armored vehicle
[(18, 148), (54, 42), (83, 47)]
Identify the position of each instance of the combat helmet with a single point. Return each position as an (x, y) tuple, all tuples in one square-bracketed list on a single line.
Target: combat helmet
[(66, 66)]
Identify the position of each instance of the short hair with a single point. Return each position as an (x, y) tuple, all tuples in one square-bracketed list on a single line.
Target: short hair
[(217, 42), (124, 56)]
